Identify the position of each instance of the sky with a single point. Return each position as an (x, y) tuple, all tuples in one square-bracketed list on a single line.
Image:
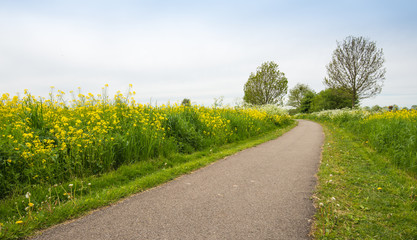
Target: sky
[(200, 50)]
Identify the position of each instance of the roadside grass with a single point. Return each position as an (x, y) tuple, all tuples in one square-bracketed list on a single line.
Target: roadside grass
[(361, 194), (97, 191)]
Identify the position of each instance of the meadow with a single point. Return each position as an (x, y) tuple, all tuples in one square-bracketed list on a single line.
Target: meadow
[(57, 153), (367, 178), (393, 133)]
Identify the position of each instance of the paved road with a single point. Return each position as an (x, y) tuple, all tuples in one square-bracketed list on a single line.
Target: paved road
[(260, 193)]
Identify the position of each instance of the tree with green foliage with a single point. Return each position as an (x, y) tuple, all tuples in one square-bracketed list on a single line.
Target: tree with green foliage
[(186, 102), (376, 108), (267, 86), (297, 94), (356, 67), (306, 102), (331, 98)]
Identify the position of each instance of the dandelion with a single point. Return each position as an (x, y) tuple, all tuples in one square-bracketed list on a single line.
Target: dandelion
[(379, 188), (27, 195), (70, 185), (89, 184), (333, 199), (30, 204), (19, 222)]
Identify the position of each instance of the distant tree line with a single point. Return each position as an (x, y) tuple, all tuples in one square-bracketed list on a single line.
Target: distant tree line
[(355, 72)]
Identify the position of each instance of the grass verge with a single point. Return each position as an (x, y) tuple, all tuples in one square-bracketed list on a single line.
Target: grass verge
[(95, 192), (361, 195)]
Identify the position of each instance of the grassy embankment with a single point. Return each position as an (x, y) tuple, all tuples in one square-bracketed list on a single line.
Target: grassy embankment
[(60, 160), (367, 179)]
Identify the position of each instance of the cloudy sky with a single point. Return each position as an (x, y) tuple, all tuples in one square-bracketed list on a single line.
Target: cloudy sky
[(170, 50)]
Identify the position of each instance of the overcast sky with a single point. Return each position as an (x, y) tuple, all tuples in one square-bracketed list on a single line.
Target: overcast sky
[(170, 50)]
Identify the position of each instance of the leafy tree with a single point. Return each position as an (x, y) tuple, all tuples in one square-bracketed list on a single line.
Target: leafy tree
[(306, 102), (414, 107), (376, 108), (267, 86), (297, 94), (331, 98), (367, 108), (186, 102), (356, 67)]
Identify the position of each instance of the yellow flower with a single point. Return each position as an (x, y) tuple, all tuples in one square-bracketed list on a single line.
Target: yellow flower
[(30, 204), (19, 222), (380, 188), (9, 160)]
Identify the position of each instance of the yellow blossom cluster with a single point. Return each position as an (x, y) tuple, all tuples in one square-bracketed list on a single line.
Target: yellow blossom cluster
[(409, 115)]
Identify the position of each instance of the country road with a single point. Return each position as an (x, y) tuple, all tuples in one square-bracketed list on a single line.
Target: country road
[(259, 193)]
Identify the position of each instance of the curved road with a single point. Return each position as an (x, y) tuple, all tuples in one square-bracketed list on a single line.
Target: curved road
[(260, 193)]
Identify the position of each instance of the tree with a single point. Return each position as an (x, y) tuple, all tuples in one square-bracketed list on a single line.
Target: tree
[(306, 102), (186, 102), (267, 86), (376, 108), (331, 98), (297, 94), (356, 67)]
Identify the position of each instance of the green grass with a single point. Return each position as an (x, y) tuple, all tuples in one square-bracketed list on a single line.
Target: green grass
[(393, 133), (361, 194), (98, 191)]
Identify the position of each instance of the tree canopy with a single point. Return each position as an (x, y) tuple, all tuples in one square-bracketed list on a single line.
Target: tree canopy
[(297, 94), (331, 98), (267, 86), (356, 67), (186, 102)]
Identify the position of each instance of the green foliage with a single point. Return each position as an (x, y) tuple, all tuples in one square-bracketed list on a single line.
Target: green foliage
[(324, 100), (376, 108), (267, 86), (306, 105), (331, 98), (186, 102), (357, 67), (297, 94)]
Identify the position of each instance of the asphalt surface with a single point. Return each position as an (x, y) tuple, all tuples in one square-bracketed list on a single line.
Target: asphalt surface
[(259, 193)]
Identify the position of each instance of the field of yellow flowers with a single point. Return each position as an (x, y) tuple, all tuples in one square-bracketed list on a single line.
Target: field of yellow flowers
[(390, 132), (49, 141)]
